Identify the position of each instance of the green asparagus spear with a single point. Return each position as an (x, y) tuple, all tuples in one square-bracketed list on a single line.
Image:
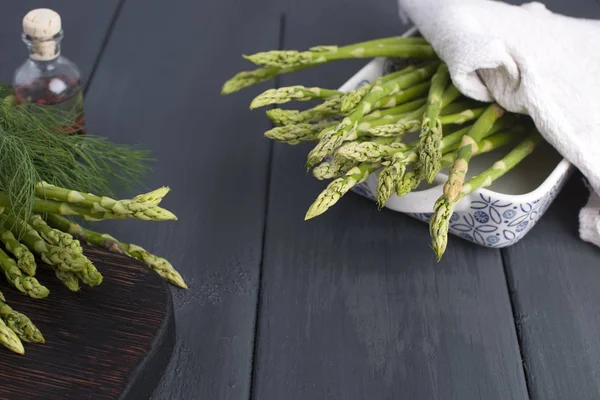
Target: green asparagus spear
[(331, 108), (143, 206), (410, 114), (20, 324), (370, 152), (339, 187), (369, 149), (68, 278), (392, 173), (430, 163), (431, 128), (352, 98), (286, 94), (452, 141), (407, 183), (158, 264), (335, 136), (24, 284), (444, 207), (61, 261), (403, 96), (486, 145), (70, 209), (55, 237), (397, 128), (146, 200), (366, 152), (64, 243), (395, 168), (294, 134), (458, 172), (391, 177), (411, 180), (384, 116), (9, 339), (335, 168), (89, 274), (245, 79), (460, 105), (248, 78), (322, 54), (396, 121), (461, 117), (327, 109), (25, 259)]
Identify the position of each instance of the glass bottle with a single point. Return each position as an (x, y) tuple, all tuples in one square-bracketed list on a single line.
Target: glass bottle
[(47, 78)]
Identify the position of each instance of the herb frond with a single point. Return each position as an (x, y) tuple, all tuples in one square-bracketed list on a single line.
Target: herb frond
[(33, 150)]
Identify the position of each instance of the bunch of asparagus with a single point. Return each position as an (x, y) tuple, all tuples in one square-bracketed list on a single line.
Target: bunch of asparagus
[(365, 131), (56, 240)]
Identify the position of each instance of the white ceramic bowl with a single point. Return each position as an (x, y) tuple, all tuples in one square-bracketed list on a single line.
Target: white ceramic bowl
[(497, 216)]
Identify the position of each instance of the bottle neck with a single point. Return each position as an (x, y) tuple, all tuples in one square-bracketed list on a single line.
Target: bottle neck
[(43, 50)]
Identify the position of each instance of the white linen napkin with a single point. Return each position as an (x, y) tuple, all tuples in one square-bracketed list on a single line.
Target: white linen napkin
[(529, 60)]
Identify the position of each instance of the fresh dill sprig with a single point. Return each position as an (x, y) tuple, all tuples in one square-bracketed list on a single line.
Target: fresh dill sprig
[(32, 149)]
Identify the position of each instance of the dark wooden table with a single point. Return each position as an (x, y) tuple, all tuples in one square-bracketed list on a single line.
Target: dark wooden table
[(351, 305)]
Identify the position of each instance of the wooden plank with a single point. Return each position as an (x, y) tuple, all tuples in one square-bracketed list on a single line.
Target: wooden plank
[(103, 343), (85, 26), (353, 305), (158, 85), (552, 279)]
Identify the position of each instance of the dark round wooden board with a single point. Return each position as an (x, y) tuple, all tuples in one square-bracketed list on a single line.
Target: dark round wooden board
[(113, 341)]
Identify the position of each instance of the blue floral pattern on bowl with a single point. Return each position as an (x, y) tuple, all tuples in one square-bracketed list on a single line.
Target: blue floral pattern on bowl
[(496, 223), (489, 222)]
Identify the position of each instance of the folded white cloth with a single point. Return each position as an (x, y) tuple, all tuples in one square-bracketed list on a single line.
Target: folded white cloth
[(529, 60)]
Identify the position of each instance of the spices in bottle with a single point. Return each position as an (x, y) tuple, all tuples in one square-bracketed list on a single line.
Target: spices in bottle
[(47, 78)]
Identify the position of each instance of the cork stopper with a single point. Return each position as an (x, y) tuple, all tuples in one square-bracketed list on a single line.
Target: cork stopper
[(42, 25)]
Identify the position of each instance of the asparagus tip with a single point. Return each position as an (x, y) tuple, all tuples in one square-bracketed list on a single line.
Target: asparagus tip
[(17, 348), (10, 340), (385, 186), (431, 176), (316, 209), (257, 102), (309, 215), (311, 162), (227, 88), (439, 226), (438, 257), (231, 86), (178, 281), (38, 337)]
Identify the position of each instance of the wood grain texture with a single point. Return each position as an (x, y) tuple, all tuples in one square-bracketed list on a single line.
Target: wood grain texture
[(160, 87), (353, 305), (109, 342), (553, 277)]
